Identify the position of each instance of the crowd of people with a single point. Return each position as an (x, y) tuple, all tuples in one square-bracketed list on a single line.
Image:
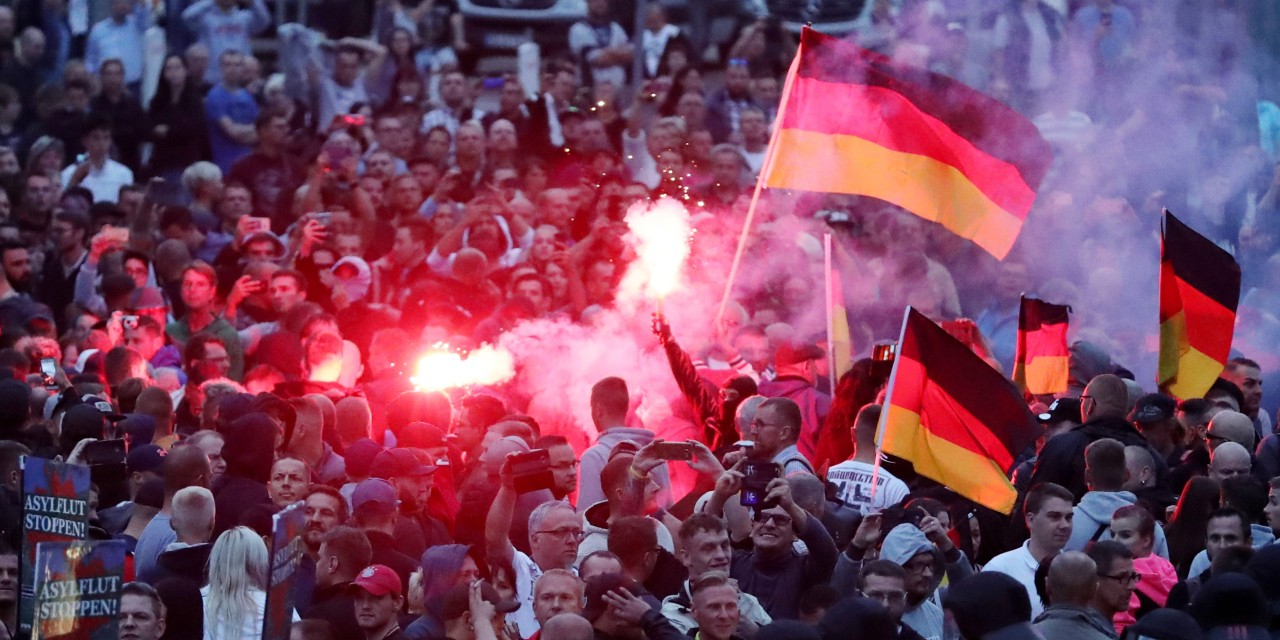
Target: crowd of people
[(237, 274)]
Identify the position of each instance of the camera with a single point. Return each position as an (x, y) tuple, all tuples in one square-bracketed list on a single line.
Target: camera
[(130, 322), (531, 470), (755, 482)]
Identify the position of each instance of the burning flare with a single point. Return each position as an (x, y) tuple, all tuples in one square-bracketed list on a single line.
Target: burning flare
[(660, 236), (442, 368)]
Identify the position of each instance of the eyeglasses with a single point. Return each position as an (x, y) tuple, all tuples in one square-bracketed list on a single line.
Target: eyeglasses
[(887, 597), (918, 566), (1213, 437), (1124, 578), (564, 534), (780, 519)]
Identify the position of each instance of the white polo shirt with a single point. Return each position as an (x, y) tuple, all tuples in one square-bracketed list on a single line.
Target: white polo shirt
[(1021, 566)]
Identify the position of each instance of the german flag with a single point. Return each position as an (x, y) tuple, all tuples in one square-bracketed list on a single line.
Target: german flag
[(851, 121), (1040, 363), (954, 417), (1199, 291)]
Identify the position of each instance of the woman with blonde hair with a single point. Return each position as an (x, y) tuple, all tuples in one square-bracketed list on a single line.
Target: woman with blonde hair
[(235, 599)]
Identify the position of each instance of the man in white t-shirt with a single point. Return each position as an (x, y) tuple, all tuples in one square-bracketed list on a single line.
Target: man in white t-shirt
[(1049, 511), (97, 172), (601, 46), (555, 529), (854, 476)]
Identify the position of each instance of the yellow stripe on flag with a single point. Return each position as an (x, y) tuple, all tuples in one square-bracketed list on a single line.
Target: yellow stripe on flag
[(971, 475)]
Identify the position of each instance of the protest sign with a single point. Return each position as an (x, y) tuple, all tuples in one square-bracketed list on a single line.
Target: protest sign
[(77, 590), (55, 508), (286, 553)]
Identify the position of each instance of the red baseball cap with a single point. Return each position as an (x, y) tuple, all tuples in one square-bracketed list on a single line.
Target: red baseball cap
[(379, 580)]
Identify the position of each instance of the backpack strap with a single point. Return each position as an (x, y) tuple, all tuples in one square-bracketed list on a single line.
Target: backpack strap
[(1102, 528)]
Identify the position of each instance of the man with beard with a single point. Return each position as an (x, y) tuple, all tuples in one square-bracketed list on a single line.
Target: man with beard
[(16, 307), (62, 263), (415, 529), (325, 511), (340, 553), (38, 201)]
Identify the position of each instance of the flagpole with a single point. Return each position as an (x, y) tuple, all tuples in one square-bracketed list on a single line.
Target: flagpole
[(765, 169), (831, 316), (888, 400)]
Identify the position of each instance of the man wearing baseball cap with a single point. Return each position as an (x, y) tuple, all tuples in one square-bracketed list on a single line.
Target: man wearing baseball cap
[(378, 597), (373, 506), (414, 481)]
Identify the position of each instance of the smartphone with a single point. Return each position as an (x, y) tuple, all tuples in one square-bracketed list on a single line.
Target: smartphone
[(119, 234), (130, 322), (104, 452), (253, 224), (325, 217), (755, 482), (165, 193), (49, 372), (673, 450), (531, 470)]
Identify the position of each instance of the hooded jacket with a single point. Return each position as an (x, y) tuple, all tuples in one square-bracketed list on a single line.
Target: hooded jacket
[(1092, 520), (1069, 622), (594, 459), (901, 544), (249, 456), (1152, 592), (440, 566)]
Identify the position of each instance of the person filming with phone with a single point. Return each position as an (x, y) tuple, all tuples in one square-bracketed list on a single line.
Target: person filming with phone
[(772, 570)]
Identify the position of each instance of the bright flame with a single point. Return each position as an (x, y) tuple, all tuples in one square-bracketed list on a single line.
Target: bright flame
[(441, 368), (660, 235)]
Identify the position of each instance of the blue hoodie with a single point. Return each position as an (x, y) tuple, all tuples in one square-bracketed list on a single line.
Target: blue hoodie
[(1094, 514), (440, 567)]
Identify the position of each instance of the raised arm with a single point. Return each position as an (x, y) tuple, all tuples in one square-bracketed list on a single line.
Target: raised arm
[(706, 408), (497, 526)]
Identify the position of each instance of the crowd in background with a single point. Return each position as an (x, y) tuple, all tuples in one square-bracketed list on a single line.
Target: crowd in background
[(250, 322)]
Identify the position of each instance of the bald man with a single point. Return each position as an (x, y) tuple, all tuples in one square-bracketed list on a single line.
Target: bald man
[(1104, 407), (1071, 584), (1230, 426), (1229, 460), (568, 626)]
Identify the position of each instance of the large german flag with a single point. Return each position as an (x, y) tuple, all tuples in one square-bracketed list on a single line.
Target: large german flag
[(853, 122), (1040, 361), (1199, 291), (954, 417)]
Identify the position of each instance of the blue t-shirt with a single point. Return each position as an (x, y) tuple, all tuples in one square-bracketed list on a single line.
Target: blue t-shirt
[(241, 108)]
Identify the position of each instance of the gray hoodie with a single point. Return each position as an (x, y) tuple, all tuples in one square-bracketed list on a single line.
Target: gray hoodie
[(1093, 515), (1069, 622), (902, 544), (594, 459)]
